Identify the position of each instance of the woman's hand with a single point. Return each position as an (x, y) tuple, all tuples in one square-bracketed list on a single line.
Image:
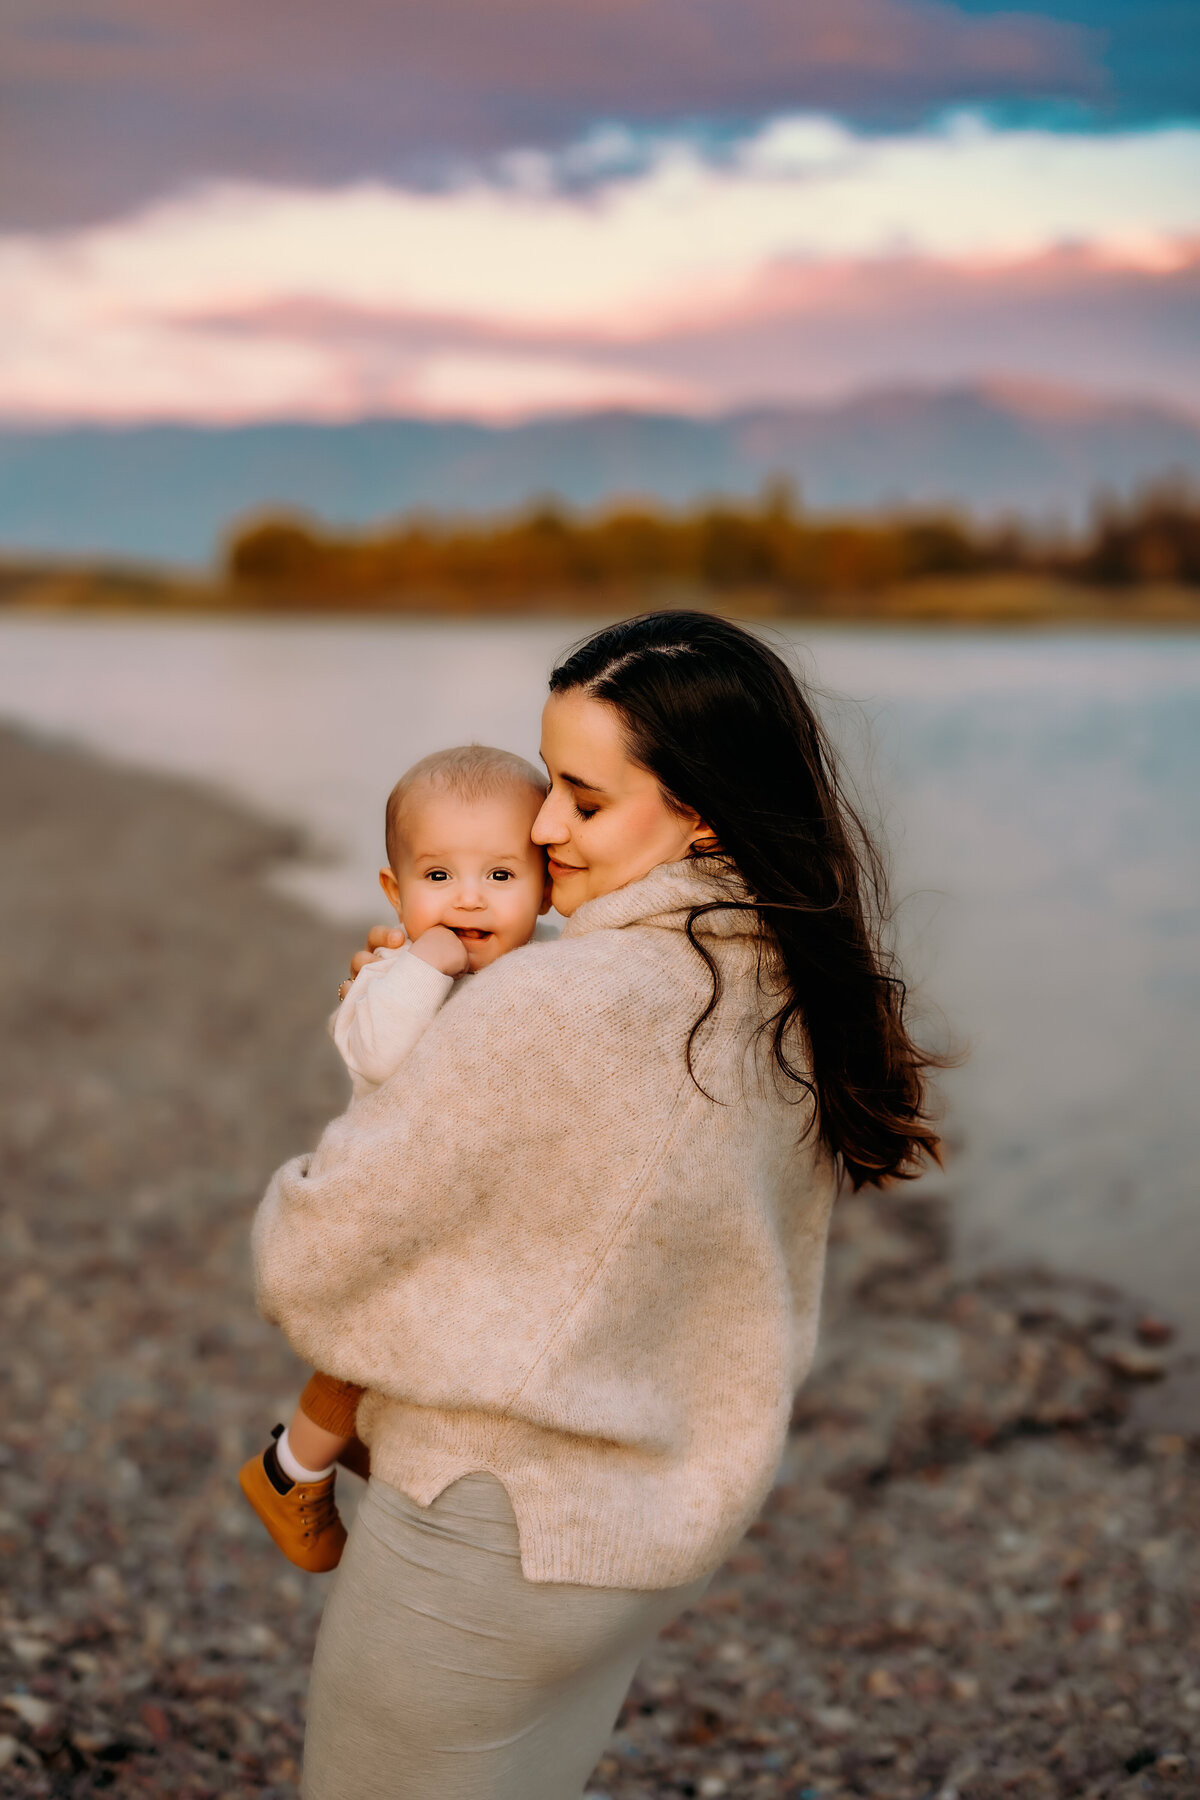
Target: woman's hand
[(380, 937), (438, 946)]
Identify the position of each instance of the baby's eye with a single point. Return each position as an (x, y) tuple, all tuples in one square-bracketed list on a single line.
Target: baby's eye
[(436, 875), (502, 875)]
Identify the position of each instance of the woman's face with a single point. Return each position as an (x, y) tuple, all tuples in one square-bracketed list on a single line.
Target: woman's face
[(604, 822)]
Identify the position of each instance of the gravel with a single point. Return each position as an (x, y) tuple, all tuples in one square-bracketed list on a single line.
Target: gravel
[(979, 1575)]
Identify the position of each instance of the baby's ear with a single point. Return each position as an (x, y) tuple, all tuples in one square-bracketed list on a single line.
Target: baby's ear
[(391, 890)]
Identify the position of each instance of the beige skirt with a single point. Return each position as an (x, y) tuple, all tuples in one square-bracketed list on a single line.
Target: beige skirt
[(441, 1673)]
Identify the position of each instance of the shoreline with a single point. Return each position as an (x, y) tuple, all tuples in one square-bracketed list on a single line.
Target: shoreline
[(1014, 603), (979, 1573)]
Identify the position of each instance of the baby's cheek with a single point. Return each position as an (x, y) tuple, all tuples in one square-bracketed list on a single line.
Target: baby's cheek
[(423, 907), (523, 916)]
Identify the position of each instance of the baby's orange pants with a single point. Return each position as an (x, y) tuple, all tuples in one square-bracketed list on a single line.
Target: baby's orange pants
[(331, 1404)]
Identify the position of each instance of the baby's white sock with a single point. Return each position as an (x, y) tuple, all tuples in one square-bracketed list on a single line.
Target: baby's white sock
[(293, 1467)]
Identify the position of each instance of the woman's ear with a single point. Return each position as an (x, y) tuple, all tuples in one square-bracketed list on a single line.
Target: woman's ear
[(704, 841), (391, 889)]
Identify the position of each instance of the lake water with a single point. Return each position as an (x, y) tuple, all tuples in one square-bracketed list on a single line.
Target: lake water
[(1041, 796)]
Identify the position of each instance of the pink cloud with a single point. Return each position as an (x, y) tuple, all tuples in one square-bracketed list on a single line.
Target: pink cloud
[(802, 332), (1072, 317), (814, 262)]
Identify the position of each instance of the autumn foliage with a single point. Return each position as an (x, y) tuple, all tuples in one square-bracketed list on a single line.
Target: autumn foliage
[(769, 545), (718, 546)]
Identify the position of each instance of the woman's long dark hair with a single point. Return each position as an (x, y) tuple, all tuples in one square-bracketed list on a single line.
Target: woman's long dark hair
[(721, 722)]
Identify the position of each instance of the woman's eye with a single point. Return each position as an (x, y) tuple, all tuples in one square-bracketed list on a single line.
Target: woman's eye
[(586, 812)]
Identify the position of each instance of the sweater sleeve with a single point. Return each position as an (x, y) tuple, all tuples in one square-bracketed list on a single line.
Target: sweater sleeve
[(385, 1013), (415, 1235)]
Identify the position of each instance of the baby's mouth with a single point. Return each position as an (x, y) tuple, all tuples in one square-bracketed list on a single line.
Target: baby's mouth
[(470, 934)]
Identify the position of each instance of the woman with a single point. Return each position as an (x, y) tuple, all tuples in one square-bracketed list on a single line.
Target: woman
[(575, 1252)]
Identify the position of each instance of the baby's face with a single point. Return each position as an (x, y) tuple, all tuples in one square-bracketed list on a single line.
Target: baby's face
[(471, 865)]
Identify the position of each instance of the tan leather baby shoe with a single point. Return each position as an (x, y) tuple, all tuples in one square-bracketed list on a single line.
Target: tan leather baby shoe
[(301, 1516)]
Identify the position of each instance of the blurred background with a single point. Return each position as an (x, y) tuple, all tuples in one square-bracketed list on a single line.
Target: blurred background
[(355, 360)]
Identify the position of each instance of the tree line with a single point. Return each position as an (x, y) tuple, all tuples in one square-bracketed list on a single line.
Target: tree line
[(770, 543)]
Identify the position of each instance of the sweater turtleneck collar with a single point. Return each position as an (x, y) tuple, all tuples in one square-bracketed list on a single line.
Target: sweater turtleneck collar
[(665, 897)]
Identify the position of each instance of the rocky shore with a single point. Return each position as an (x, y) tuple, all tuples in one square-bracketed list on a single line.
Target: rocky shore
[(978, 1577)]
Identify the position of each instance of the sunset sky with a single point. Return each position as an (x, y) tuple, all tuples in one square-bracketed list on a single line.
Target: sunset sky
[(493, 208)]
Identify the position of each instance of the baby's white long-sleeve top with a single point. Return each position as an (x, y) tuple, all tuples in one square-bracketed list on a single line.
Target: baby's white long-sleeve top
[(386, 1010)]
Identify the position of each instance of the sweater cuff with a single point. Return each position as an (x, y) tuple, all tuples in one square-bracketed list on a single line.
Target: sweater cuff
[(424, 982)]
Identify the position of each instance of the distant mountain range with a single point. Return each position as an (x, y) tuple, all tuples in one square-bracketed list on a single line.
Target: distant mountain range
[(169, 493)]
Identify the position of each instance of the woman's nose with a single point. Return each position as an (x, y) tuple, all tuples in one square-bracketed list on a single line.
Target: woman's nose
[(548, 827)]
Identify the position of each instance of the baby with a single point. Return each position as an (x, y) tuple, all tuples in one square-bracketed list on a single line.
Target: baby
[(467, 884)]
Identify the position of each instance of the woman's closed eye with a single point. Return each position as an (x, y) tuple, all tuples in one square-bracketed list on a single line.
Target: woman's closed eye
[(584, 812)]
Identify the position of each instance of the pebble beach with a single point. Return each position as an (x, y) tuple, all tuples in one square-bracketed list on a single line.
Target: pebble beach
[(978, 1576)]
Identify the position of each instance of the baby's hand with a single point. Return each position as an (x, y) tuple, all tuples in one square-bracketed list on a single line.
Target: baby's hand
[(439, 947)]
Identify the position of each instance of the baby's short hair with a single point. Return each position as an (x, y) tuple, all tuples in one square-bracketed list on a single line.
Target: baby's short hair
[(468, 771)]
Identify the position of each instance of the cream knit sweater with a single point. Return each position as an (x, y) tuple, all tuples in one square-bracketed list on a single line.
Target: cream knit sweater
[(546, 1253)]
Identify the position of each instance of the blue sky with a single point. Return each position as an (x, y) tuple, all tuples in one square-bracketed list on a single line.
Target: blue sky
[(1147, 50)]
